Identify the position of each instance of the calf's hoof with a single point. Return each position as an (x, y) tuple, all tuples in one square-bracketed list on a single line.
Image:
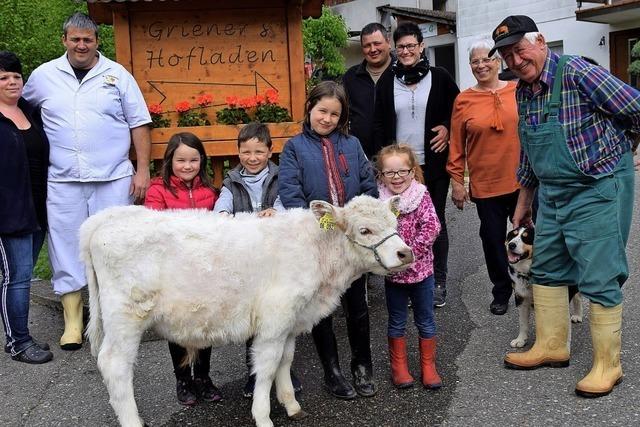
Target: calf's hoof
[(298, 415)]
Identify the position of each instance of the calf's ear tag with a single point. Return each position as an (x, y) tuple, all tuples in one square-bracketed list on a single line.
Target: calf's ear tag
[(395, 211), (327, 222)]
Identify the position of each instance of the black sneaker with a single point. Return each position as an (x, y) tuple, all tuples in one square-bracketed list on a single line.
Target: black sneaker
[(33, 355), (206, 390), (185, 392), (498, 308), (439, 296), (42, 345)]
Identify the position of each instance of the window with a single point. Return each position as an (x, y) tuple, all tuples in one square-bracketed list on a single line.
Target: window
[(439, 5), (556, 47)]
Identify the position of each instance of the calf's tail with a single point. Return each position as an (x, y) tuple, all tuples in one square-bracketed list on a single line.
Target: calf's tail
[(94, 332)]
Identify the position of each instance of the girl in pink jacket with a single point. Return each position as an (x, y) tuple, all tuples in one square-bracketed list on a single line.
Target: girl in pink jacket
[(399, 173)]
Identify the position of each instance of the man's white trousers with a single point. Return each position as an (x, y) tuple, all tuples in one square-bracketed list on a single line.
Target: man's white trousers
[(69, 204)]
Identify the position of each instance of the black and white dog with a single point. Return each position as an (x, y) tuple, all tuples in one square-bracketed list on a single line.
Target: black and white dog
[(519, 245)]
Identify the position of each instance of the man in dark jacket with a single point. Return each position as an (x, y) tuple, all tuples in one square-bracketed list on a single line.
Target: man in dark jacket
[(360, 84)]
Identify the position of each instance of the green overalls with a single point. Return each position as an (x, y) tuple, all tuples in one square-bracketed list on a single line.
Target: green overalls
[(583, 221)]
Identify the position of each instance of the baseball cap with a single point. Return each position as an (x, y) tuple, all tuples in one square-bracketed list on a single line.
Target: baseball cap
[(511, 30)]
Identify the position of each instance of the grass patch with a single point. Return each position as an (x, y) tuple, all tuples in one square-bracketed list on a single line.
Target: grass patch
[(42, 269)]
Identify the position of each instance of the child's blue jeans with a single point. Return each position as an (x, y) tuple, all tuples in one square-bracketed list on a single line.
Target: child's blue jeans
[(421, 295)]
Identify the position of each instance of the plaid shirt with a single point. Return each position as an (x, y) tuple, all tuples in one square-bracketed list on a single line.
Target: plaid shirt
[(597, 111)]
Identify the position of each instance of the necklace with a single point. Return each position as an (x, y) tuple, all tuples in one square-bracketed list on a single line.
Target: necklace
[(374, 72)]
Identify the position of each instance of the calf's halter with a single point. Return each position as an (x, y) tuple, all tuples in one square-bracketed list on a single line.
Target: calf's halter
[(374, 247)]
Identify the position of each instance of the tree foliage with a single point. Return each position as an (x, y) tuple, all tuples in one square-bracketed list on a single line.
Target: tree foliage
[(634, 67), (32, 29), (323, 38)]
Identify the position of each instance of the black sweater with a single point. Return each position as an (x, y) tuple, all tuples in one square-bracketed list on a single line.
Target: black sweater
[(361, 91), (19, 212), (439, 107)]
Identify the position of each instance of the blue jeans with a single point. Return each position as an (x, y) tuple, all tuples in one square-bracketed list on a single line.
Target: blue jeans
[(18, 255), (421, 295)]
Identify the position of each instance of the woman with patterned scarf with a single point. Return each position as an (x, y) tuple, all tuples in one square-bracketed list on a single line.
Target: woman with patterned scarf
[(413, 107)]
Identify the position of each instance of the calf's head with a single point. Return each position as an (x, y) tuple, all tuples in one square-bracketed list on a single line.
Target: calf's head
[(370, 225)]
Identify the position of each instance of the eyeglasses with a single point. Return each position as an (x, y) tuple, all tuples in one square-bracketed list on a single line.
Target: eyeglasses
[(410, 47), (401, 173), (483, 61)]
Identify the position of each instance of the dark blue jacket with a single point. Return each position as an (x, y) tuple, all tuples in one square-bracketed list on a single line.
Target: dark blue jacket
[(302, 173), (17, 207)]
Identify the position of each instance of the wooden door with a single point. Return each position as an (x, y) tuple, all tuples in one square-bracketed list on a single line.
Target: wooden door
[(621, 44)]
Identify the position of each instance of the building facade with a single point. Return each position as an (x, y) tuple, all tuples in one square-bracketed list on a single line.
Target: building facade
[(603, 30)]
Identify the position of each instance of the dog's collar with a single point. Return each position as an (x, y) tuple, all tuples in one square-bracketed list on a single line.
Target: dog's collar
[(522, 275)]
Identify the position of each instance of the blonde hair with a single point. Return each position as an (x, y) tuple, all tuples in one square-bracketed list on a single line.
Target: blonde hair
[(399, 149)]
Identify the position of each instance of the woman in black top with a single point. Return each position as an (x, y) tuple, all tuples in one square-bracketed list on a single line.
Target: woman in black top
[(24, 158), (413, 106)]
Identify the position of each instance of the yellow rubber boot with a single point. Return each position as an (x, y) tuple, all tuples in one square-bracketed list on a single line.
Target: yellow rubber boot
[(72, 307), (606, 331), (551, 348)]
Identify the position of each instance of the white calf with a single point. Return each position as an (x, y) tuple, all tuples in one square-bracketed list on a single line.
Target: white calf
[(202, 279)]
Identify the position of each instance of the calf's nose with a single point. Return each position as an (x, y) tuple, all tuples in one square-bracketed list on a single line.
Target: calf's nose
[(406, 255)]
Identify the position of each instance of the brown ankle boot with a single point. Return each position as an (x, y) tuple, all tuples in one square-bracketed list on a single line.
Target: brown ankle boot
[(430, 377), (399, 365)]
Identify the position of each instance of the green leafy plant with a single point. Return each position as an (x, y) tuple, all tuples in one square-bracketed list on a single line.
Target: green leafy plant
[(634, 67), (194, 115), (268, 110), (322, 40), (234, 113), (261, 108)]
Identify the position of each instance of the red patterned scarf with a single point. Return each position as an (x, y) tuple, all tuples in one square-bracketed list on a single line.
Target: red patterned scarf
[(334, 180)]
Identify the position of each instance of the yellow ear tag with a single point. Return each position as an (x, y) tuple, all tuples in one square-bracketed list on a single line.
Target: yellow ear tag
[(327, 222), (395, 211)]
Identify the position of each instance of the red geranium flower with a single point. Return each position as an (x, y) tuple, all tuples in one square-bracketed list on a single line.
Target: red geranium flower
[(155, 108), (231, 101), (204, 100), (248, 102), (183, 106), (259, 99), (271, 95)]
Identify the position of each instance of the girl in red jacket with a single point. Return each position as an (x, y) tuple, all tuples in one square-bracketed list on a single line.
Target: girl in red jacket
[(184, 184)]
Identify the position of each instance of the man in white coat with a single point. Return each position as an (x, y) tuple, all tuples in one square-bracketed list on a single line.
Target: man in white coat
[(92, 110)]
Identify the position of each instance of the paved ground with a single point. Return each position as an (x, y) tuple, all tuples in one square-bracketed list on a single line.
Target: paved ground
[(478, 390)]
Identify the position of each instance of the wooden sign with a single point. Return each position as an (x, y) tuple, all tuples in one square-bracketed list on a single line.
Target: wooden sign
[(179, 50), (180, 55)]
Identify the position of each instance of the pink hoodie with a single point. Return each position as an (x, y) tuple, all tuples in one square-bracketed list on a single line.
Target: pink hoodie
[(418, 225)]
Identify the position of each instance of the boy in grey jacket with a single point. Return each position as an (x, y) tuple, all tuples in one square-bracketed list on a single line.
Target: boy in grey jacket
[(252, 186)]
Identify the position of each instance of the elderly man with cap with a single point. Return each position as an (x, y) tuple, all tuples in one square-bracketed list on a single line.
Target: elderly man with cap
[(577, 125)]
